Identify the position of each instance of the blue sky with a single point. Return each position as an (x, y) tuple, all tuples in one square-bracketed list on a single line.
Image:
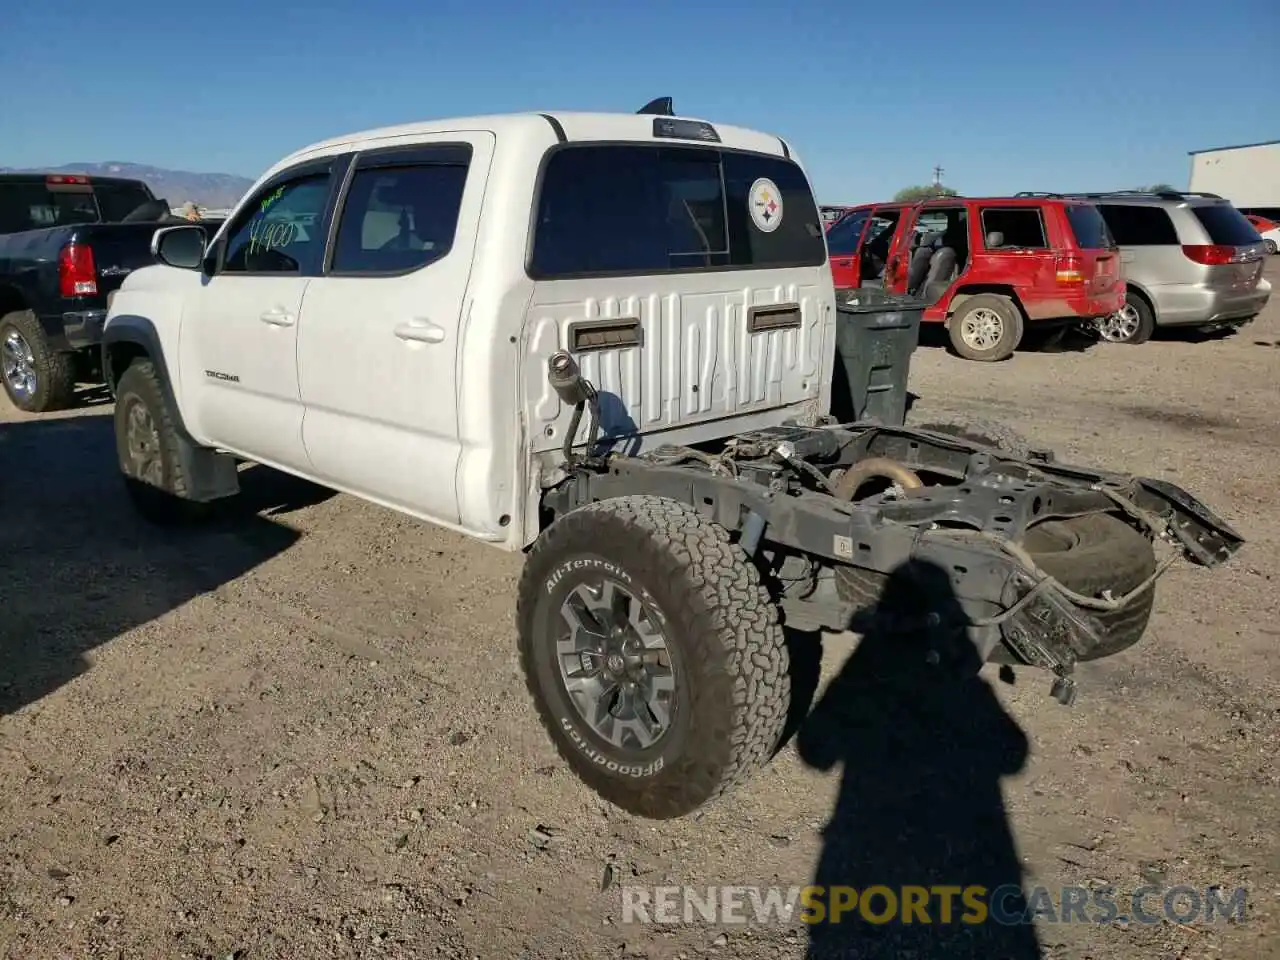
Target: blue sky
[(1005, 96)]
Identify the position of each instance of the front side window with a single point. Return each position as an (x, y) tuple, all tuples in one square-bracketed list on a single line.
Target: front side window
[(639, 209), (400, 218), (280, 230)]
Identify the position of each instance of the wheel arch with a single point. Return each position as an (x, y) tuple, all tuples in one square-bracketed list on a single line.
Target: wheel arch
[(128, 337), (1137, 288), (12, 300), (971, 290)]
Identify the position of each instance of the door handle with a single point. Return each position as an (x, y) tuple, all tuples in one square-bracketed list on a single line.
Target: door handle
[(421, 331), (277, 317), (843, 263)]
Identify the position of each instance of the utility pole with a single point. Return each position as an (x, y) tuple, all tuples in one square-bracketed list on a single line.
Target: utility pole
[(937, 176)]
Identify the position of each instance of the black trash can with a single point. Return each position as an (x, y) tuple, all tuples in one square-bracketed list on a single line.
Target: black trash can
[(876, 333)]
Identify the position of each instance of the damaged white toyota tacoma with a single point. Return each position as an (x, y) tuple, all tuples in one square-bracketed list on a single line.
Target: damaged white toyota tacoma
[(608, 341)]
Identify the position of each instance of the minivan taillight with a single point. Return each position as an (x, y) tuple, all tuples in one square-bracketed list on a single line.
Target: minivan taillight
[(77, 275), (1069, 268), (1210, 254)]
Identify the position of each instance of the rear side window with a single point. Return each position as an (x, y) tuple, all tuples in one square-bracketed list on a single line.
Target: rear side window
[(618, 210), (1020, 228), (1226, 225), (1088, 226), (401, 218), (1139, 226)]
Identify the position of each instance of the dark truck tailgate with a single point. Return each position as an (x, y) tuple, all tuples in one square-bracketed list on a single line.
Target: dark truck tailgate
[(118, 250)]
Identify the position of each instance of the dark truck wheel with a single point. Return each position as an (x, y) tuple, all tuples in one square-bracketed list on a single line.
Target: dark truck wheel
[(653, 654), (36, 378), (148, 452), (987, 327), (1087, 554)]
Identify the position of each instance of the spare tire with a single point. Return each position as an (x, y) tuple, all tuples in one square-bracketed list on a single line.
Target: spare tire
[(988, 432), (1087, 554), (1094, 553)]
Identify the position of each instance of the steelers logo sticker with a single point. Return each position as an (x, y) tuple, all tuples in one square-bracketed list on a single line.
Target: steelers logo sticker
[(765, 202)]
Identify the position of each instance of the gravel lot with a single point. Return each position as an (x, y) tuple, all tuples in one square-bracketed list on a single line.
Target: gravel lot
[(302, 733)]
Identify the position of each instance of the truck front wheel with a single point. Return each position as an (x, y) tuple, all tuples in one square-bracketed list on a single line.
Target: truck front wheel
[(653, 654), (36, 378), (148, 449)]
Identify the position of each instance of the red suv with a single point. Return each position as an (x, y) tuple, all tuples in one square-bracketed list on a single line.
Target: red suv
[(988, 268)]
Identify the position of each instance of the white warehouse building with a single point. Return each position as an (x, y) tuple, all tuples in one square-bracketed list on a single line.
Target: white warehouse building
[(1248, 175)]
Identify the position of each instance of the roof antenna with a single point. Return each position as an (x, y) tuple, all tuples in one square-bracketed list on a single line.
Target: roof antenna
[(662, 107)]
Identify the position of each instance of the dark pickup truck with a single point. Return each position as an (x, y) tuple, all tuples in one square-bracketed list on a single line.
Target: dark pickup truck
[(66, 242)]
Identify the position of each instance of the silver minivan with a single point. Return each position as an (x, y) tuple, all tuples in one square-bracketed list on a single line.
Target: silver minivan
[(1189, 260)]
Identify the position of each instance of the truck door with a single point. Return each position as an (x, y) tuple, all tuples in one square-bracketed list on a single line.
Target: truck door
[(844, 239), (379, 349), (897, 265), (239, 345)]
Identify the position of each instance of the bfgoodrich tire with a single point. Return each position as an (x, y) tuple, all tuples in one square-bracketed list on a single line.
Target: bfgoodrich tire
[(653, 654), (148, 450)]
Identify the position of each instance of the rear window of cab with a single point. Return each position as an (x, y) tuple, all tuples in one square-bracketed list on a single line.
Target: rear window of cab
[(637, 210)]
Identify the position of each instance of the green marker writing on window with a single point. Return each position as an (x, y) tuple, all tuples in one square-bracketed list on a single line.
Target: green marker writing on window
[(272, 198)]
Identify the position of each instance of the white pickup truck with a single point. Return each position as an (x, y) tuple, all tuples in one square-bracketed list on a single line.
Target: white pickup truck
[(608, 341)]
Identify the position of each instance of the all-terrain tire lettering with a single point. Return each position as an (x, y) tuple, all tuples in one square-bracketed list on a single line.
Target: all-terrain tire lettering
[(733, 682)]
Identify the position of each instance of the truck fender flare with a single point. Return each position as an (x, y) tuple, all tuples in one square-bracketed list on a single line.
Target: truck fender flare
[(141, 334), (213, 475)]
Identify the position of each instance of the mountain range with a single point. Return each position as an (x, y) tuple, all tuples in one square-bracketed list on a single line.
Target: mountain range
[(216, 190)]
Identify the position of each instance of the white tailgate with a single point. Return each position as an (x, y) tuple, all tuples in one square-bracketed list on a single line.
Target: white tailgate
[(697, 361)]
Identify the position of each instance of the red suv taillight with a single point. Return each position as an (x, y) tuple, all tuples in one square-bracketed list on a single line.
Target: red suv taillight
[(1211, 255), (1069, 268), (77, 275)]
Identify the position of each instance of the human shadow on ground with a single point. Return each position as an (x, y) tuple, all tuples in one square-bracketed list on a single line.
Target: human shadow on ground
[(79, 568), (923, 747)]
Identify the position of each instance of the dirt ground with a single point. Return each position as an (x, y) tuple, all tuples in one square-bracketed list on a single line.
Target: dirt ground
[(303, 734)]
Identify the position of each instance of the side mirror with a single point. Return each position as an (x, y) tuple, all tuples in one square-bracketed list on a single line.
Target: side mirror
[(995, 239), (181, 247)]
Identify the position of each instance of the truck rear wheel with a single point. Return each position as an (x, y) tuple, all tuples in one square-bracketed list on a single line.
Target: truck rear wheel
[(36, 378), (987, 327), (653, 654), (147, 448)]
